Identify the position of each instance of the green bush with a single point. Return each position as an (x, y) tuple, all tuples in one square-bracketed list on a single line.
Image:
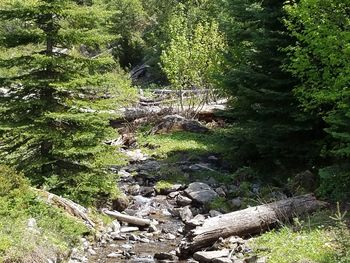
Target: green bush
[(55, 233)]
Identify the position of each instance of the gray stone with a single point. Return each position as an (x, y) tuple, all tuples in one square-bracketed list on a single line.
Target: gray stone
[(170, 189), (92, 252), (185, 214), (147, 191), (201, 193), (220, 191), (169, 236), (152, 228), (183, 200), (214, 213), (236, 203), (120, 203), (262, 260), (134, 189), (115, 226), (127, 246), (208, 256)]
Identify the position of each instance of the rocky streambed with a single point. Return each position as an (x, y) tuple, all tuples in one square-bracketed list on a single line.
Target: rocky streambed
[(173, 210)]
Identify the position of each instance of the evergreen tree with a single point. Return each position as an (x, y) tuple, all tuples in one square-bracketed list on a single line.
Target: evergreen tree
[(58, 82), (320, 59), (270, 129)]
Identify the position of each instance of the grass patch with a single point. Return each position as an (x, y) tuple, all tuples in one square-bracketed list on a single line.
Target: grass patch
[(193, 144), (54, 234), (162, 185), (319, 239)]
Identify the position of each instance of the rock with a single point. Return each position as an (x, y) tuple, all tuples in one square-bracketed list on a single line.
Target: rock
[(201, 193), (147, 191), (116, 236), (92, 252), (169, 189), (129, 229), (185, 214), (124, 174), (127, 246), (144, 240), (115, 254), (133, 237), (220, 191), (252, 259), (164, 256), (134, 189), (136, 155), (152, 228), (120, 203), (222, 260), (208, 256), (115, 226), (262, 260), (172, 123), (214, 213), (198, 220), (173, 194), (169, 236), (183, 200), (236, 203)]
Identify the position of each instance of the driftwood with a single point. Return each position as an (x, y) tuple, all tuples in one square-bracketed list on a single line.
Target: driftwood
[(69, 206), (128, 219), (246, 222)]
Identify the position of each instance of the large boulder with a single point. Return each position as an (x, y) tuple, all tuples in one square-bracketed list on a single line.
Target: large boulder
[(201, 193), (172, 123)]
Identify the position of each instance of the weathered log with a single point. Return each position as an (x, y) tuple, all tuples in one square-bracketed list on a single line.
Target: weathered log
[(128, 219), (69, 206), (252, 220)]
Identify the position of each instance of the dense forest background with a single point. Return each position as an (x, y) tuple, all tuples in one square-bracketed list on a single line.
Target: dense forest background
[(284, 66), (70, 68)]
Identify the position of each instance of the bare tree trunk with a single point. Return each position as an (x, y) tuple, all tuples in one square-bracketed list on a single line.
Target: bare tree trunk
[(252, 220)]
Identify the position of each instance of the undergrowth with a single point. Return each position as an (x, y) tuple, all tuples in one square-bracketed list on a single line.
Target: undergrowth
[(50, 235)]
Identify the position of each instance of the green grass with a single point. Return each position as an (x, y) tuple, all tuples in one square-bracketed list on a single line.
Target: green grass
[(316, 241), (179, 143), (55, 234)]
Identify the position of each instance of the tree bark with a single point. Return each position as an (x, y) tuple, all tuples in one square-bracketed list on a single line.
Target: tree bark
[(252, 220), (128, 219)]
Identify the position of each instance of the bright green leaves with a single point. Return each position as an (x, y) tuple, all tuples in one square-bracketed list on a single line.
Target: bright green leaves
[(194, 53)]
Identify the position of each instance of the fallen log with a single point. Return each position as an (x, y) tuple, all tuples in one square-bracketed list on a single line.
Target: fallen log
[(252, 220), (128, 219), (69, 206)]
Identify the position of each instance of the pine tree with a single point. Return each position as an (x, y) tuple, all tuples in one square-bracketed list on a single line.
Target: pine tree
[(58, 84), (270, 129), (320, 59)]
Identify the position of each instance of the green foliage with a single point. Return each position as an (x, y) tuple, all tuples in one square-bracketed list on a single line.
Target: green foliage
[(61, 85), (335, 182), (160, 185), (320, 59), (56, 231), (190, 144), (220, 204), (286, 245), (271, 131), (342, 236), (194, 54)]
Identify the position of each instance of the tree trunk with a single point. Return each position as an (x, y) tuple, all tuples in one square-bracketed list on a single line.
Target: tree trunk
[(252, 220)]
